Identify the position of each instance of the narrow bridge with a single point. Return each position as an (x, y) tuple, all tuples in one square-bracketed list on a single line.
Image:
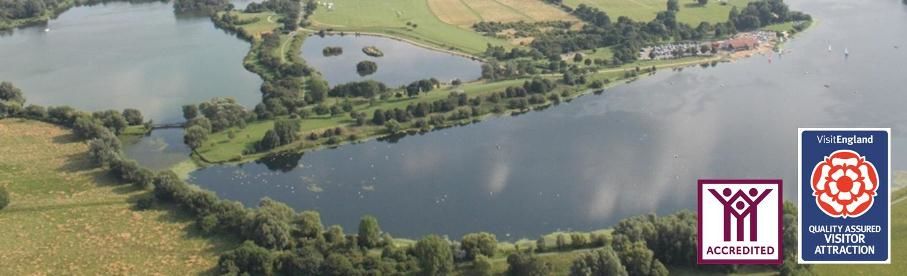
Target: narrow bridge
[(168, 125)]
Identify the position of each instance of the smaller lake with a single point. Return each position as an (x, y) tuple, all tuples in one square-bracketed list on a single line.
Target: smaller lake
[(159, 150), (401, 64)]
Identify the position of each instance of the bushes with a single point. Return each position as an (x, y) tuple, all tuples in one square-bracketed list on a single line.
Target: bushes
[(365, 89), (599, 262), (477, 244), (525, 264), (248, 259), (4, 197)]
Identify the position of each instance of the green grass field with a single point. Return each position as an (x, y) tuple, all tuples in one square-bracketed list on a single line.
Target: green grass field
[(67, 218), (644, 10), (390, 17)]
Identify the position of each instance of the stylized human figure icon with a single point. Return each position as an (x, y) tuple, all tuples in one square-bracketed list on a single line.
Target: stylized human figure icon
[(740, 209)]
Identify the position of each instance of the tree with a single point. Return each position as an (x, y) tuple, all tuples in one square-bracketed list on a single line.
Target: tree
[(10, 93), (702, 2), (190, 111), (133, 116), (195, 136), (286, 130), (270, 141), (599, 262), (479, 244), (434, 256), (268, 230), (308, 225), (369, 232), (392, 126), (525, 264), (637, 258), (673, 5), (4, 197), (482, 266), (248, 259), (112, 119), (338, 265)]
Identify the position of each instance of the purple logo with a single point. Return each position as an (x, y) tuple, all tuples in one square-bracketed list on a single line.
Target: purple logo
[(740, 221), (740, 205)]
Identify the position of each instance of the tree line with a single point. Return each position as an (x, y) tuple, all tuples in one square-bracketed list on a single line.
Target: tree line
[(627, 36)]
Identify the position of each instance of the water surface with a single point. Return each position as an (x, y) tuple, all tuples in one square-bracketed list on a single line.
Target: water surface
[(638, 148), (121, 55), (401, 64)]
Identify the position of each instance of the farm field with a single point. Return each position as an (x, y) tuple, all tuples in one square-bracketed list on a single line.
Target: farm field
[(409, 19), (690, 11), (67, 218), (464, 13)]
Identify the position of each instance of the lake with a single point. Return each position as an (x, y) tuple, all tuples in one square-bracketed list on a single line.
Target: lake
[(636, 149), (401, 64), (121, 55)]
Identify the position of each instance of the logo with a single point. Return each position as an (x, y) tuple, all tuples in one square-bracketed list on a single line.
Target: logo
[(739, 222), (844, 184), (844, 196)]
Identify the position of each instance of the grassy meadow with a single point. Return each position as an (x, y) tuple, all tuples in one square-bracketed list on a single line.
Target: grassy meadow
[(644, 10), (464, 13), (69, 218), (391, 17)]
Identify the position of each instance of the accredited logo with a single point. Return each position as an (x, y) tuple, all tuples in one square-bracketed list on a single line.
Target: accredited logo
[(844, 200), (740, 221)]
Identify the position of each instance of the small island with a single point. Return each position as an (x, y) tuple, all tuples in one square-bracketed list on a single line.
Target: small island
[(372, 51), (332, 51), (366, 67)]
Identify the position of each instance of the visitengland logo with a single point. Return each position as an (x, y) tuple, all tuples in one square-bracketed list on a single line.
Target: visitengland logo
[(844, 184), (844, 196), (739, 221)]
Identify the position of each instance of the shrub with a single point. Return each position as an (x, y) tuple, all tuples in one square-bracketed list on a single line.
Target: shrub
[(479, 244), (4, 197)]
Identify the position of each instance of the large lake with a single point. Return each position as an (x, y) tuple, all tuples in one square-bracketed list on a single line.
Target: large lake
[(638, 148), (401, 64), (120, 55)]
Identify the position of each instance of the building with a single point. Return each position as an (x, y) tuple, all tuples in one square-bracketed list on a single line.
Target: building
[(741, 43)]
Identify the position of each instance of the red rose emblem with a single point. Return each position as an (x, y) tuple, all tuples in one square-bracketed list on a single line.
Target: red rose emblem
[(845, 184)]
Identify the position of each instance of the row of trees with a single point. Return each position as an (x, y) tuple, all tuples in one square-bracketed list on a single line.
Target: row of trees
[(626, 36), (22, 9), (204, 6)]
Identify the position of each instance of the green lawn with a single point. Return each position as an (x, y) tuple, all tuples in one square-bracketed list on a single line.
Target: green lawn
[(390, 17), (266, 22), (69, 218), (644, 10)]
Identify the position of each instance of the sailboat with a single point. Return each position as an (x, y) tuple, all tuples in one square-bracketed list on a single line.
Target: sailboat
[(846, 53)]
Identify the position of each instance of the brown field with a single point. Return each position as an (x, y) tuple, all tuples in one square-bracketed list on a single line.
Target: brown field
[(464, 13), (68, 218)]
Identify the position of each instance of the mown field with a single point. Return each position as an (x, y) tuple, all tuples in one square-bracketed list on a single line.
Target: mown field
[(67, 218), (391, 17), (464, 13), (690, 11)]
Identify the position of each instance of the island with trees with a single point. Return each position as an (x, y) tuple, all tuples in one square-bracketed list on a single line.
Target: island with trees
[(372, 51), (332, 51), (366, 67)]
